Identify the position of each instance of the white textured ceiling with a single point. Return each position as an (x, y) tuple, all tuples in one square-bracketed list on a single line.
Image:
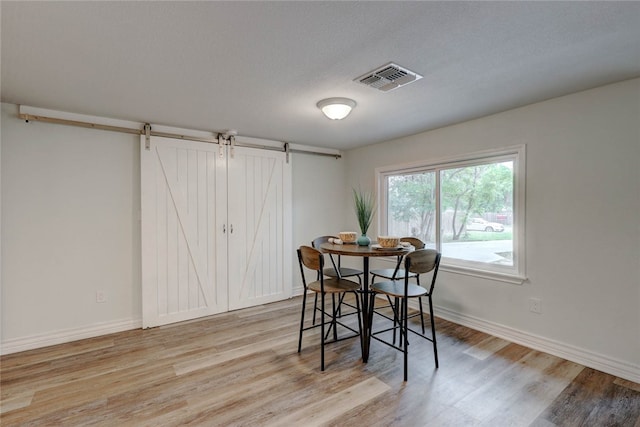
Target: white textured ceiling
[(260, 67)]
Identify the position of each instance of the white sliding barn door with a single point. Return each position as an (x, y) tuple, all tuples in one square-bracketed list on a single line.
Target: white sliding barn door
[(183, 244), (216, 229), (259, 197)]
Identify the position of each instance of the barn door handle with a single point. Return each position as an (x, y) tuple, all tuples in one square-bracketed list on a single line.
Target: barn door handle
[(224, 228), (231, 228)]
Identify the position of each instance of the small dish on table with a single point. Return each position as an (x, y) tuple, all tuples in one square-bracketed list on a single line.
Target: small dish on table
[(388, 242), (348, 236), (377, 246)]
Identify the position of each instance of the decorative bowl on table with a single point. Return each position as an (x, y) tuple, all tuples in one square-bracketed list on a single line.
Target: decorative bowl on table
[(388, 241), (348, 236)]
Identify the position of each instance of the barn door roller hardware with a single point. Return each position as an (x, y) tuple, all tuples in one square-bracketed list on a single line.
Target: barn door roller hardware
[(147, 136)]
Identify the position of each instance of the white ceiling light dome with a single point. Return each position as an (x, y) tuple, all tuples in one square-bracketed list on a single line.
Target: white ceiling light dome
[(336, 108)]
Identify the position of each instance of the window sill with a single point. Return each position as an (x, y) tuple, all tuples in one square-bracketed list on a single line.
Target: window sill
[(511, 278), (514, 279)]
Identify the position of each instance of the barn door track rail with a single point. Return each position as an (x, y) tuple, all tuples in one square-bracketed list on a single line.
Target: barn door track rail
[(113, 125)]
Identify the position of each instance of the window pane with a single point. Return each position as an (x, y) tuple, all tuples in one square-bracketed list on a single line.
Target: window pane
[(477, 213), (411, 208)]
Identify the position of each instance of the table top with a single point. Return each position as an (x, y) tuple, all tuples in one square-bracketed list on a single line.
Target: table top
[(363, 251)]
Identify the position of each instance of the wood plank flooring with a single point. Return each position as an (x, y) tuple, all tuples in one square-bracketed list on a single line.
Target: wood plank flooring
[(242, 369)]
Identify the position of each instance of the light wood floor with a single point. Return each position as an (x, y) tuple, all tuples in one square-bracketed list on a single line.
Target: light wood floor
[(242, 369)]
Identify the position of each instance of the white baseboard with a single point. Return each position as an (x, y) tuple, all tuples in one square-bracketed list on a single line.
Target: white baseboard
[(609, 365), (67, 335)]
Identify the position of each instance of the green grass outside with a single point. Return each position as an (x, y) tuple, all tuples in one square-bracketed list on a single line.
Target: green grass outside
[(480, 236)]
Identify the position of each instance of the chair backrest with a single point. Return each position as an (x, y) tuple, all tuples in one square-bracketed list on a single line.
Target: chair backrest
[(315, 243), (413, 241), (422, 261), (323, 239), (310, 258)]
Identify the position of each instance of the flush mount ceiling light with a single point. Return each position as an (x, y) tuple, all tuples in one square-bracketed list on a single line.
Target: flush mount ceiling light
[(336, 108)]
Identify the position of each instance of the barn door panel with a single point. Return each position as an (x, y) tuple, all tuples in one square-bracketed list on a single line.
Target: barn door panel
[(259, 213), (184, 270)]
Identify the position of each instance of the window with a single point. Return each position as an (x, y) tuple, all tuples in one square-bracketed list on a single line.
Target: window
[(471, 209)]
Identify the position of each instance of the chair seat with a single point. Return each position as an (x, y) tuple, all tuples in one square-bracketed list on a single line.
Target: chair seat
[(332, 286), (396, 289), (344, 272), (387, 273)]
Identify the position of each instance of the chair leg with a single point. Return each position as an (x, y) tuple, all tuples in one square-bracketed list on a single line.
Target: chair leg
[(421, 314), (372, 303), (322, 335), (396, 316), (340, 300), (334, 316), (433, 332), (406, 341), (335, 313), (359, 313), (304, 300), (315, 307)]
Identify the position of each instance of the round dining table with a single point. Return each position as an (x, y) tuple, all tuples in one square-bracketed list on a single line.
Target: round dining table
[(365, 252)]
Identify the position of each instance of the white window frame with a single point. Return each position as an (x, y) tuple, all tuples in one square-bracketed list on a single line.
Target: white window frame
[(515, 274)]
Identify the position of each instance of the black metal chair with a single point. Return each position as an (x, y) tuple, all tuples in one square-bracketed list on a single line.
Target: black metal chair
[(313, 260), (336, 270), (398, 273), (417, 262)]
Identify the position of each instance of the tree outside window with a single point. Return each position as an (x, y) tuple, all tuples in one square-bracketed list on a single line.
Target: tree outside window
[(465, 209), (475, 204)]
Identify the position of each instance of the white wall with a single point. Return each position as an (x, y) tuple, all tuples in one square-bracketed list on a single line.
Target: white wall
[(582, 224), (70, 227), (318, 200)]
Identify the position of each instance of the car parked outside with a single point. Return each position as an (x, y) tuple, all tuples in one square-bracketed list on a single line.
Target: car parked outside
[(479, 224)]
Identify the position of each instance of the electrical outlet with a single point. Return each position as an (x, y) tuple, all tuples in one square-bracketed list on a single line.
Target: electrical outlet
[(101, 296), (535, 305)]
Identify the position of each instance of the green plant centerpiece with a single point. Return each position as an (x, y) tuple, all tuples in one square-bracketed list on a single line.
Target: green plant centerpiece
[(365, 208)]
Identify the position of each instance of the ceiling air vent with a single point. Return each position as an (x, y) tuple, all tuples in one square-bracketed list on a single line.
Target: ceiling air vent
[(388, 77)]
